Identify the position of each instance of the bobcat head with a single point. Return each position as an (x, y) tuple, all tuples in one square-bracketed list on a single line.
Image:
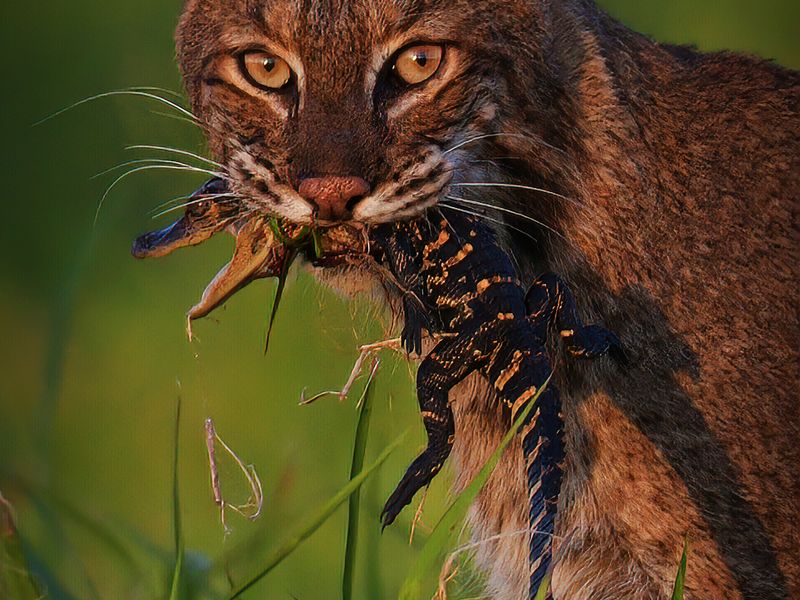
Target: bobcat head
[(325, 110)]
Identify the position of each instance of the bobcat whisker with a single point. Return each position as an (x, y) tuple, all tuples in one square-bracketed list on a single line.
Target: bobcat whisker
[(506, 210), (125, 92), (501, 134), (177, 199), (483, 215), (175, 117), (488, 218), (154, 88), (176, 151), (167, 203), (494, 161), (516, 186), (193, 202), (152, 161), (176, 167)]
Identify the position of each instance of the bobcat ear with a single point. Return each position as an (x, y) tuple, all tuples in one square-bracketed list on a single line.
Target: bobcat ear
[(572, 39)]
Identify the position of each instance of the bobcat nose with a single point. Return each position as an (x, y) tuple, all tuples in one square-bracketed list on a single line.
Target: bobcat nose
[(334, 197)]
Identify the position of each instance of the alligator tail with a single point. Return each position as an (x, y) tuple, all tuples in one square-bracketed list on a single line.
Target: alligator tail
[(543, 449)]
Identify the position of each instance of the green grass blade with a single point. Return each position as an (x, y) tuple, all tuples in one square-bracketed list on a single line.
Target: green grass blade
[(438, 541), (371, 543), (287, 263), (541, 593), (314, 521), (680, 578), (16, 580), (177, 574), (354, 503)]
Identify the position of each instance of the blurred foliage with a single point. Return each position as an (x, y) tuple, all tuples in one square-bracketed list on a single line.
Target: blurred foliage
[(93, 341)]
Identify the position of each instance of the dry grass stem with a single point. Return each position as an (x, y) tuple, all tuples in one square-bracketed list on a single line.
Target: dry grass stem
[(365, 352), (252, 508), (417, 516)]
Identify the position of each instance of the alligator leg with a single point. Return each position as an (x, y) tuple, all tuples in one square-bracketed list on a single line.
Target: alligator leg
[(550, 300), (415, 320), (406, 265), (443, 368)]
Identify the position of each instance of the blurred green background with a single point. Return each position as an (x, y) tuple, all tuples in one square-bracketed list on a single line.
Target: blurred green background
[(93, 341)]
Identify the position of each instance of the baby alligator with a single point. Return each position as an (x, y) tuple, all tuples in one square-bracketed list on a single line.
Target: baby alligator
[(457, 280)]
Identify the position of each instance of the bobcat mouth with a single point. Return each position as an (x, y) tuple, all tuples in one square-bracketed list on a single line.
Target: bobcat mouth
[(340, 245), (411, 192)]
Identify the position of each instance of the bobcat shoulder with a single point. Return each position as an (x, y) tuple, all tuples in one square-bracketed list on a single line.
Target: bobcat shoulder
[(683, 237)]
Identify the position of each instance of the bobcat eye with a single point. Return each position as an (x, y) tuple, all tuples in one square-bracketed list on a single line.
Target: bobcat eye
[(264, 70), (418, 63)]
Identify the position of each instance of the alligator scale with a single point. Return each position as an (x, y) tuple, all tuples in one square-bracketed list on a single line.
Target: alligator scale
[(456, 282)]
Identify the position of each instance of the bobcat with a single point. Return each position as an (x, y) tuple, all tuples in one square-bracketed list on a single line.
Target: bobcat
[(661, 183)]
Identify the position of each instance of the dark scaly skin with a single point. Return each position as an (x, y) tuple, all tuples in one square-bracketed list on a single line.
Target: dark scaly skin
[(457, 280)]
